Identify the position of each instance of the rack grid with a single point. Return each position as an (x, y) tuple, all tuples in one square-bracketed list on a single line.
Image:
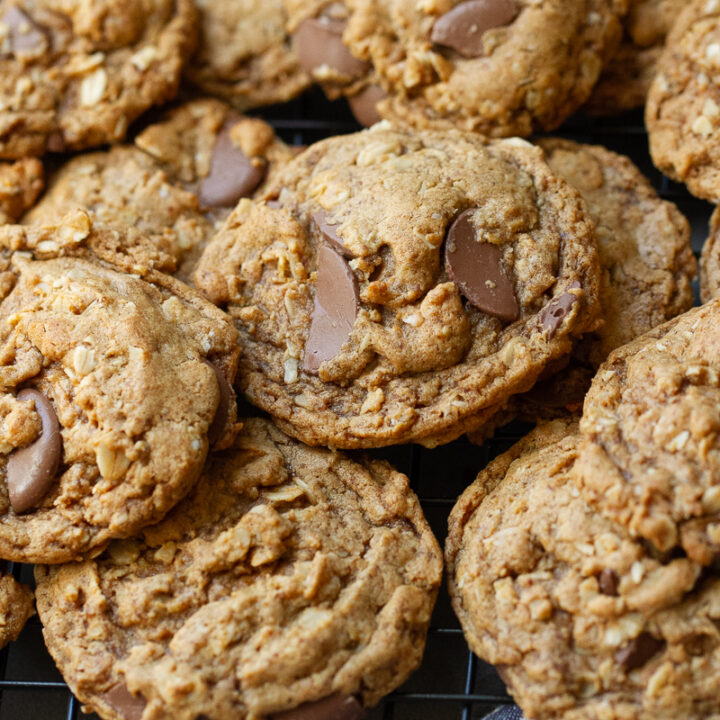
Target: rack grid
[(451, 684)]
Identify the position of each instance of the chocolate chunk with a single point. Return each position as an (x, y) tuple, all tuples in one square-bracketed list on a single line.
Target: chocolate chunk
[(462, 28), (337, 300), (364, 105), (638, 651), (608, 582), (476, 268), (553, 314), (329, 233), (31, 470), (335, 707), (233, 175), (318, 42), (129, 706), (217, 426), (26, 38)]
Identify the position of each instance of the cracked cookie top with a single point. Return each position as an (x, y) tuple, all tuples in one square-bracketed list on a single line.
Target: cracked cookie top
[(393, 286), (289, 575)]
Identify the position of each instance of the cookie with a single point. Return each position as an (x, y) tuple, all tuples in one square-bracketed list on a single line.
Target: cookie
[(16, 606), (361, 325), (582, 619), (75, 75), (113, 388), (647, 266), (626, 79), (499, 67), (710, 261), (683, 108), (181, 176), (244, 54), (651, 454), (290, 579), (21, 183)]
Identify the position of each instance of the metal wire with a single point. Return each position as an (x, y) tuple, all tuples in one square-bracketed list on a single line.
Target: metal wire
[(451, 684)]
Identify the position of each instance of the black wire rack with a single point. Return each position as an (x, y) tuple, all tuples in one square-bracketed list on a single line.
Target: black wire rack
[(451, 684)]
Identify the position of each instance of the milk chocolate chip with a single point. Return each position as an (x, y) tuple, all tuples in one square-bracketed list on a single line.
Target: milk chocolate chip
[(364, 105), (335, 707), (553, 314), (476, 268), (25, 36), (329, 233), (318, 41), (608, 582), (336, 305), (462, 28), (233, 175), (217, 427), (31, 470), (129, 706), (636, 653)]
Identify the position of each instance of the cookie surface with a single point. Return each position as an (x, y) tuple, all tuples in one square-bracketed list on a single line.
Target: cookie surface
[(626, 79), (288, 575), (361, 325), (710, 261), (244, 53), (171, 185), (113, 387), (650, 456), (16, 606), (21, 183), (500, 67), (75, 75), (683, 108), (582, 620)]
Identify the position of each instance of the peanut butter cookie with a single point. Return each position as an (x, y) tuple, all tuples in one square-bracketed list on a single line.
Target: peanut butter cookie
[(683, 109), (21, 183), (583, 620), (710, 261), (398, 286), (114, 385), (75, 74), (500, 67), (291, 583), (651, 455)]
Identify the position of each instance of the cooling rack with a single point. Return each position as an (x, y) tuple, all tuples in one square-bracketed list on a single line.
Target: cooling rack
[(451, 684)]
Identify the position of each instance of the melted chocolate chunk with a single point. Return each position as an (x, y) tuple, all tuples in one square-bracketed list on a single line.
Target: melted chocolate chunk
[(26, 38), (31, 470), (477, 269), (318, 42), (337, 301), (129, 706), (233, 175), (608, 582), (463, 27), (329, 233), (364, 105), (553, 314), (638, 651), (335, 707)]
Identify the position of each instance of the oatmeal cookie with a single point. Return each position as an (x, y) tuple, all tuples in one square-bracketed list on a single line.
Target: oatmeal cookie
[(291, 581)]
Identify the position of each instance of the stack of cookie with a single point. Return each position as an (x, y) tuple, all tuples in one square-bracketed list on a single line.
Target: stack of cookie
[(423, 279)]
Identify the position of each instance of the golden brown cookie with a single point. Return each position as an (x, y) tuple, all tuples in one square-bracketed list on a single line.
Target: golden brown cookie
[(627, 77), (114, 385), (583, 620), (290, 578), (20, 184), (398, 286), (683, 109), (651, 451), (500, 67), (75, 74), (647, 267), (182, 176), (16, 606), (244, 54), (710, 261)]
